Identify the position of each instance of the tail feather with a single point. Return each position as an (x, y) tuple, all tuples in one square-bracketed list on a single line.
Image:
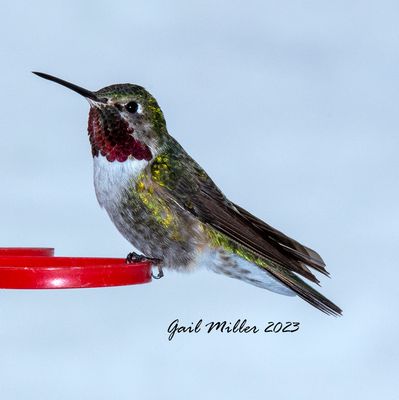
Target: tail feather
[(302, 289), (243, 265)]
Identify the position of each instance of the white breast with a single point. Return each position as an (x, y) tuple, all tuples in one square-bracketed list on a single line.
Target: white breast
[(111, 177)]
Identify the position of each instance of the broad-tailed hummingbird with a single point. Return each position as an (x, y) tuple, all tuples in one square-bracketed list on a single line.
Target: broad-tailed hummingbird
[(169, 209)]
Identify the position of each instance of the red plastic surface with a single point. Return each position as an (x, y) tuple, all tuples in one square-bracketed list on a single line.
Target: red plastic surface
[(26, 251), (48, 272)]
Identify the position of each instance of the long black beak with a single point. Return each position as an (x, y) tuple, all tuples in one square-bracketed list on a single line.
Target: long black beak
[(84, 92)]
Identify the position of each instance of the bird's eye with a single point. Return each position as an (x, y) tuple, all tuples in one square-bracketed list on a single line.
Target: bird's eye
[(132, 107)]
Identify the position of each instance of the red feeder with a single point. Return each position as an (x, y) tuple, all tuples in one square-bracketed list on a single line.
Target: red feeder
[(26, 251), (36, 268)]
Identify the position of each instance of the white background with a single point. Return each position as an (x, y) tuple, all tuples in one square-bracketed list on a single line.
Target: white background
[(292, 108)]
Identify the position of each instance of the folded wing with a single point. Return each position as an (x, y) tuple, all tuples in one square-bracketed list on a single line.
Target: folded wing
[(194, 191)]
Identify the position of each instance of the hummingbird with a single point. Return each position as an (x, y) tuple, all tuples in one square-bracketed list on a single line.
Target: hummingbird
[(168, 208)]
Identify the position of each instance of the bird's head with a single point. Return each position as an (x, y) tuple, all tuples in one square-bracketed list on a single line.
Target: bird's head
[(124, 121)]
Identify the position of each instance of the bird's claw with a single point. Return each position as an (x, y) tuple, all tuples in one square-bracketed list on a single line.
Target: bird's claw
[(159, 275), (134, 257)]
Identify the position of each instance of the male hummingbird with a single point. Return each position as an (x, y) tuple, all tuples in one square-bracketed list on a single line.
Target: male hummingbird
[(169, 209)]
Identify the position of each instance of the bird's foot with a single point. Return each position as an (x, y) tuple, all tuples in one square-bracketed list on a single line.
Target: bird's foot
[(159, 275), (134, 257)]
